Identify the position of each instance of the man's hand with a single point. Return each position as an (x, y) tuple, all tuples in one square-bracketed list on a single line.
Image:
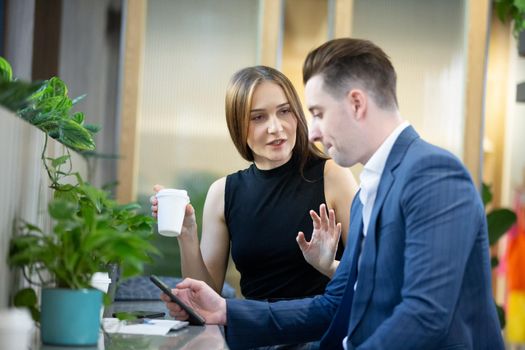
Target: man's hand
[(320, 251), (201, 297)]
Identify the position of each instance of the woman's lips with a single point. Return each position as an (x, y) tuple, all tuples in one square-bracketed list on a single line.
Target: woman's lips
[(276, 143)]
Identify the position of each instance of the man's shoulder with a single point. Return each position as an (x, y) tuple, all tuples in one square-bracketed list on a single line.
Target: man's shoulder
[(423, 152)]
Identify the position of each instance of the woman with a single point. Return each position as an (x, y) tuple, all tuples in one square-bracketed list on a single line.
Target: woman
[(259, 211)]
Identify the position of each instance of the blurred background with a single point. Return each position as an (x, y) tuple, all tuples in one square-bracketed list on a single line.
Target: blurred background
[(155, 74)]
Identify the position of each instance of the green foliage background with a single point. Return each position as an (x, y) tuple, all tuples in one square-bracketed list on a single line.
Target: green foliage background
[(197, 184)]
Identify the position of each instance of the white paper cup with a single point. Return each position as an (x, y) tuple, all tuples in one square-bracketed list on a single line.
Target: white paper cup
[(16, 329), (101, 281), (171, 209)]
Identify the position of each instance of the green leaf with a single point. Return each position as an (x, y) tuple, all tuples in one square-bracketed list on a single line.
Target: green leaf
[(501, 316), (56, 162), (6, 72), (499, 221), (56, 87), (61, 209), (78, 118), (503, 9), (520, 5), (15, 95), (486, 194), (92, 128), (75, 136), (54, 103), (25, 297), (31, 227), (494, 261), (94, 195)]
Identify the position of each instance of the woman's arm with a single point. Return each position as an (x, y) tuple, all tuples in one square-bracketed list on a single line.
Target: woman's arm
[(209, 262), (340, 188)]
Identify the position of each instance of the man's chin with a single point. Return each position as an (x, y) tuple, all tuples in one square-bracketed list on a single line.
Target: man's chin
[(341, 161)]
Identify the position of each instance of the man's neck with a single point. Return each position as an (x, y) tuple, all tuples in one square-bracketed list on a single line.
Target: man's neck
[(381, 126)]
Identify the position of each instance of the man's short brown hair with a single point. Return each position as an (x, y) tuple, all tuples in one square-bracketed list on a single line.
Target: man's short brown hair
[(347, 63)]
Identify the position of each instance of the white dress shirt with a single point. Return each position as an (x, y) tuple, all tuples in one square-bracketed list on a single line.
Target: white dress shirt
[(370, 177)]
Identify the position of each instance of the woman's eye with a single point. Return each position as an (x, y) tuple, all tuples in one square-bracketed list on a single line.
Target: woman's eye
[(256, 117), (286, 111)]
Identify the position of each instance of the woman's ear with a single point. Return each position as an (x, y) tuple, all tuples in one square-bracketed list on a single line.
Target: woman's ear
[(358, 102)]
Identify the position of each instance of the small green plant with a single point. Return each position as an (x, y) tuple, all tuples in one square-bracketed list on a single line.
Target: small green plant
[(511, 10), (90, 230), (47, 106), (499, 221)]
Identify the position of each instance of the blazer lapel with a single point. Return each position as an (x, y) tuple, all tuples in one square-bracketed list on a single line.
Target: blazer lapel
[(367, 267)]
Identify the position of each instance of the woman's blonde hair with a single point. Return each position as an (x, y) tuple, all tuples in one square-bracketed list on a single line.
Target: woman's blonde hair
[(239, 96)]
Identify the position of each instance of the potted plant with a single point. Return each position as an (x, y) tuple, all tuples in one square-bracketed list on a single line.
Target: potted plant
[(90, 231)]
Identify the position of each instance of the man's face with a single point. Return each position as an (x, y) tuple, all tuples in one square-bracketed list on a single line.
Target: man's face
[(333, 123)]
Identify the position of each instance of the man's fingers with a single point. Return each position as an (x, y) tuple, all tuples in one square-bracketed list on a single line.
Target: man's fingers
[(174, 309), (179, 314), (188, 283)]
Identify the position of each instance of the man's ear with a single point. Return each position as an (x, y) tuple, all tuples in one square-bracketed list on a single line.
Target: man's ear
[(358, 102)]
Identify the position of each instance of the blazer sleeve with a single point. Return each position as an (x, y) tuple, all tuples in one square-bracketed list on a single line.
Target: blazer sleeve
[(443, 218), (255, 323)]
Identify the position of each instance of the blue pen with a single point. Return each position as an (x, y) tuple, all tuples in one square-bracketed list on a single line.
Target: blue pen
[(138, 321)]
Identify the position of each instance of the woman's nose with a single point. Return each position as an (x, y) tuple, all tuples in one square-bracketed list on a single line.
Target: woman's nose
[(274, 125)]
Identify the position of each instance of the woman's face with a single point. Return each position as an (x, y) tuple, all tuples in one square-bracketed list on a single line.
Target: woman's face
[(272, 127)]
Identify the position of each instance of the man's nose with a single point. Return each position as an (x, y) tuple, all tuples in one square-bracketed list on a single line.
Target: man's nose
[(314, 135), (274, 125)]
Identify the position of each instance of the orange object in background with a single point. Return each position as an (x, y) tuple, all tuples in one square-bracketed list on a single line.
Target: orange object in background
[(515, 314)]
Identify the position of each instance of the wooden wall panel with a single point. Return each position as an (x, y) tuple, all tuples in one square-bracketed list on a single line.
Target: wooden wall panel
[(135, 26), (478, 27)]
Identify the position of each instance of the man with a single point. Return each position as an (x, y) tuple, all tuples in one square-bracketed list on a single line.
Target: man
[(416, 272)]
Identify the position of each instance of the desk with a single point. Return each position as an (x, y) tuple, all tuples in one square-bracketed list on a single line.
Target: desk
[(207, 337)]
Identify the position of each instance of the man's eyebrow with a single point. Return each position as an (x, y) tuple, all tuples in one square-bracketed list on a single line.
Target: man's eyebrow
[(311, 108)]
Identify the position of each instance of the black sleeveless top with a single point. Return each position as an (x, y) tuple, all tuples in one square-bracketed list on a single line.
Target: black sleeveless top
[(264, 211)]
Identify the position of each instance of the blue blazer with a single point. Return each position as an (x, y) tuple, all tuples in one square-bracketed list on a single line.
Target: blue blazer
[(424, 275)]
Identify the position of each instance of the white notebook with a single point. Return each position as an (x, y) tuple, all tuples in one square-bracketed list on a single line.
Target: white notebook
[(149, 327)]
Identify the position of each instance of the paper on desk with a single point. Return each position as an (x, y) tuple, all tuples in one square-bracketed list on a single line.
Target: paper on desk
[(153, 327)]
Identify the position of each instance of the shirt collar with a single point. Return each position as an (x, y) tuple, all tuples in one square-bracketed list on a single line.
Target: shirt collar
[(377, 162)]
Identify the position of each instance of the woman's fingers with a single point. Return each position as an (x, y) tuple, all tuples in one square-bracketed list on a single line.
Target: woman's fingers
[(316, 220), (157, 188), (303, 244)]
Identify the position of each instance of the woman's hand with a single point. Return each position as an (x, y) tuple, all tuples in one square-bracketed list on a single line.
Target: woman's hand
[(320, 251), (189, 225)]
